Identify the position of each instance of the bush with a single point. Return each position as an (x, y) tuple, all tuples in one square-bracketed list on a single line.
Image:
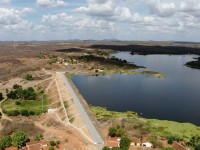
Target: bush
[(13, 113), (1, 96), (112, 132), (16, 86), (52, 143), (24, 112), (29, 77), (57, 143), (17, 103), (120, 132), (19, 139), (31, 113), (106, 148), (51, 148), (5, 142)]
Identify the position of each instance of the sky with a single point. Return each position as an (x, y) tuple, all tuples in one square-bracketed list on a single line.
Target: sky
[(132, 20)]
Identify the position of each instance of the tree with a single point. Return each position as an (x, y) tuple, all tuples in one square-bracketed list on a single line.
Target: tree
[(19, 139), (12, 95), (125, 143), (5, 141), (112, 132), (1, 96)]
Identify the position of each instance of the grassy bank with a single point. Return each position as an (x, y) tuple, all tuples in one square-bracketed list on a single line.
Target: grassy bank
[(162, 128)]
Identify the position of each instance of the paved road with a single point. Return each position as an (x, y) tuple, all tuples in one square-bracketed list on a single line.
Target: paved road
[(90, 126)]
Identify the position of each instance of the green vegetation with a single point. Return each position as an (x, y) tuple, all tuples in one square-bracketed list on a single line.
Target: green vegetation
[(5, 142), (173, 138), (170, 128), (106, 148), (52, 61), (52, 143), (125, 143), (38, 137), (107, 60), (51, 148), (156, 74), (19, 139), (19, 93), (1, 97), (113, 132), (33, 107), (103, 115), (29, 77), (195, 142)]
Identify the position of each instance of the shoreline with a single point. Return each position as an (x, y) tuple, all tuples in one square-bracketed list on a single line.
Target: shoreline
[(92, 108)]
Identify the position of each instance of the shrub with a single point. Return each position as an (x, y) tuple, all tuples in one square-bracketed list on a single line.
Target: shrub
[(31, 113), (5, 142), (17, 103), (112, 132), (19, 139), (106, 148), (13, 113), (1, 96), (57, 143), (120, 132), (51, 148), (29, 77), (52, 143), (24, 112), (16, 86)]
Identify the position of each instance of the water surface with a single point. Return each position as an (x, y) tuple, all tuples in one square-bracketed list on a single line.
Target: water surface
[(175, 98)]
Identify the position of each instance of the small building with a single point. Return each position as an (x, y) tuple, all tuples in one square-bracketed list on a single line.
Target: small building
[(36, 145), (147, 144), (113, 142), (51, 111)]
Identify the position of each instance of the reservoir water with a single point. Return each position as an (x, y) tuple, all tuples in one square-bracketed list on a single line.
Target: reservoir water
[(175, 98)]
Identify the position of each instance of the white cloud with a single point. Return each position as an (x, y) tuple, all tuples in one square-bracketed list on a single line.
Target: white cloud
[(51, 3), (101, 8), (12, 19), (161, 9)]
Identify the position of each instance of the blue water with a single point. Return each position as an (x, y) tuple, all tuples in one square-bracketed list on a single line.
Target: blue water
[(175, 98)]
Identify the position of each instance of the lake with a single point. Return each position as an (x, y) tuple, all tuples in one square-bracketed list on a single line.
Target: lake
[(175, 98)]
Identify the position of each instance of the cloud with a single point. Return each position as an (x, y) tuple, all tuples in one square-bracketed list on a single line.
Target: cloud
[(4, 1), (101, 8), (161, 9), (12, 19), (51, 3)]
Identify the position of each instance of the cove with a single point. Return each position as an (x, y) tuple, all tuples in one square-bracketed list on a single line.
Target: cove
[(175, 98)]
